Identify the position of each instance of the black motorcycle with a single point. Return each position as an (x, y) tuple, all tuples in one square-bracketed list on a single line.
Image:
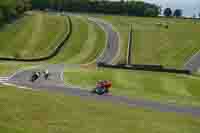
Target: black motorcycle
[(100, 91), (35, 76)]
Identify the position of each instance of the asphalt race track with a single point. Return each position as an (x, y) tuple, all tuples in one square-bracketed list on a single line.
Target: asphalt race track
[(59, 88), (55, 82), (112, 46), (193, 64)]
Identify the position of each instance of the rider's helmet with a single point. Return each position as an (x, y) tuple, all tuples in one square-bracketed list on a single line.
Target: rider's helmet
[(37, 73), (46, 71)]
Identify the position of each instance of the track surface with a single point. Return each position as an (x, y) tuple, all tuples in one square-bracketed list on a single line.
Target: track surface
[(194, 63), (59, 88), (111, 50), (55, 82)]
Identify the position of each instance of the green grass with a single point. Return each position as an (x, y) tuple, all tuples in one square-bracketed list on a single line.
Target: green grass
[(33, 35), (24, 111), (170, 88), (85, 44), (156, 45), (9, 68)]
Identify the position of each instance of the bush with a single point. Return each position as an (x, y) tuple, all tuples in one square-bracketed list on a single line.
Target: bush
[(1, 17), (150, 12), (10, 9)]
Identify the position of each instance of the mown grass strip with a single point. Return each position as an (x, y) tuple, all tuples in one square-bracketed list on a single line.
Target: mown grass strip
[(59, 113), (85, 44), (57, 49), (35, 32), (92, 46)]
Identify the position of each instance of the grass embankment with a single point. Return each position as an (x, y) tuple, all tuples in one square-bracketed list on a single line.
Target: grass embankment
[(155, 44), (24, 111), (163, 87), (7, 69), (32, 36), (85, 44)]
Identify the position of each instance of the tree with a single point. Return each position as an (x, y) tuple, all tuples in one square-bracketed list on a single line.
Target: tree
[(178, 13), (168, 12), (11, 9), (20, 6), (150, 12), (199, 15), (27, 5), (1, 17)]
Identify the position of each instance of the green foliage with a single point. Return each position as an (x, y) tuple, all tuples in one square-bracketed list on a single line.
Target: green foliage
[(120, 7), (168, 12), (10, 9), (178, 13), (151, 12), (1, 17)]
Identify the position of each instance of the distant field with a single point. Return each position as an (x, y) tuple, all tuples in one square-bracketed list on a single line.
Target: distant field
[(24, 111), (85, 44), (179, 89), (32, 36), (154, 44)]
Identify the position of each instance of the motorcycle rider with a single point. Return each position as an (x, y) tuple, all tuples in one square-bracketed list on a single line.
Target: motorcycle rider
[(46, 74), (102, 87), (35, 76)]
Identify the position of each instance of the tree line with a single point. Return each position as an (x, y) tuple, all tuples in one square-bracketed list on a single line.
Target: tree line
[(177, 13), (136, 8), (10, 9)]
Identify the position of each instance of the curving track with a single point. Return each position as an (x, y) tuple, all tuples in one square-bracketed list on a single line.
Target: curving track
[(60, 88), (55, 83), (112, 47), (193, 64)]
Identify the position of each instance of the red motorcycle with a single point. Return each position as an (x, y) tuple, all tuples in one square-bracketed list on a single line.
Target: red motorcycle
[(102, 87)]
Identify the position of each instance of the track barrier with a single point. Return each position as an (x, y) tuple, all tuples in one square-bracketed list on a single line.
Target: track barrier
[(140, 67), (130, 43)]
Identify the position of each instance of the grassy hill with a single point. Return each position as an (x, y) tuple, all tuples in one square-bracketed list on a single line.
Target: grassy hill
[(26, 111), (34, 35), (154, 44), (85, 44)]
